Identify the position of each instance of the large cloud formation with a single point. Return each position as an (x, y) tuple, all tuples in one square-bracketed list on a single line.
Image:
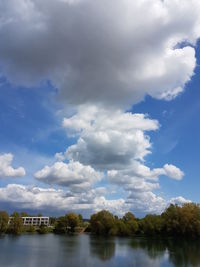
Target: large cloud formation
[(103, 56), (108, 52), (57, 201), (117, 143)]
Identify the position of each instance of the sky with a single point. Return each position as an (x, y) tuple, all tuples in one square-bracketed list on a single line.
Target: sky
[(99, 105)]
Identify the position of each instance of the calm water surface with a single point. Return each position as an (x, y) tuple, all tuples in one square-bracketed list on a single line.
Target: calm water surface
[(85, 250)]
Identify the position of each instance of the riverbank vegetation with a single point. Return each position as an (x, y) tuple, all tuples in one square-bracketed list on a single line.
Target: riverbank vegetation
[(176, 220)]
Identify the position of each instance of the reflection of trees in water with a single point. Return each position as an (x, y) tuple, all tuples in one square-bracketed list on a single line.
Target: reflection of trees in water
[(181, 252), (69, 244), (102, 248), (184, 253), (154, 247)]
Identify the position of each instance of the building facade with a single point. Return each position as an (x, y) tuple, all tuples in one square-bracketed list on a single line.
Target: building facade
[(35, 221)]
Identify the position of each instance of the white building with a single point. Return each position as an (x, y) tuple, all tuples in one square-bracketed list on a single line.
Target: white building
[(35, 221)]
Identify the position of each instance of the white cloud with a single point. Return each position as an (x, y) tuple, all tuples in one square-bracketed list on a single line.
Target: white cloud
[(140, 181), (44, 199), (6, 170), (173, 172), (117, 142), (59, 156), (100, 54), (179, 200), (59, 201), (139, 171), (101, 51), (146, 202), (73, 175), (109, 138)]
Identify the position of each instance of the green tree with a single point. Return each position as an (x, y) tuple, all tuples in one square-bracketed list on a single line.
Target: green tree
[(190, 219), (52, 220), (73, 221), (171, 218), (43, 229), (16, 224), (29, 229), (131, 223), (122, 229), (151, 224), (103, 223), (61, 225), (4, 219), (80, 219)]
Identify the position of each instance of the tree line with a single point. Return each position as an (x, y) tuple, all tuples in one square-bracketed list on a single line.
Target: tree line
[(174, 221), (68, 223)]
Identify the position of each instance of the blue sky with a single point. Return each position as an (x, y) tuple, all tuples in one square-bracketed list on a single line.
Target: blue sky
[(99, 121)]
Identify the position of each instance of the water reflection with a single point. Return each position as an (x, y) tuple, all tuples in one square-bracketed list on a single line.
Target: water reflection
[(90, 251), (180, 252), (154, 247), (102, 248), (184, 253)]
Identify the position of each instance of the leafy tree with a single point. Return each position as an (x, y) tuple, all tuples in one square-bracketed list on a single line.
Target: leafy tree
[(29, 229), (151, 225), (67, 223), (43, 229), (80, 218), (129, 216), (190, 219), (52, 220), (4, 219), (131, 223), (183, 221), (16, 224), (61, 225), (171, 218), (73, 220), (102, 223), (122, 229)]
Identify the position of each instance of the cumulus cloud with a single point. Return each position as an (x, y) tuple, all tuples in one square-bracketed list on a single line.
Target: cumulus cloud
[(36, 198), (101, 51), (140, 182), (179, 200), (117, 142), (56, 200), (74, 175), (109, 139), (173, 172), (6, 170), (103, 57), (146, 202), (139, 170)]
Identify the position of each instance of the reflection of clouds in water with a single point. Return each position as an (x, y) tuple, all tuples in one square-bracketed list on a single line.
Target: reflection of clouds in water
[(90, 251), (166, 255), (135, 255)]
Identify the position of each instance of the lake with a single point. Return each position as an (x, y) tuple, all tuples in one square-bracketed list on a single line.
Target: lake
[(84, 250)]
